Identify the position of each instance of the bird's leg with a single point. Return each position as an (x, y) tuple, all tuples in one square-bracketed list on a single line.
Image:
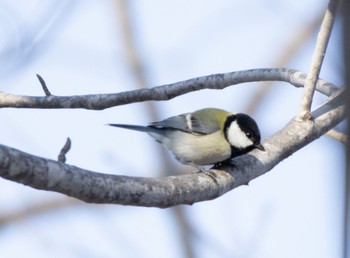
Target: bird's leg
[(199, 169), (227, 162)]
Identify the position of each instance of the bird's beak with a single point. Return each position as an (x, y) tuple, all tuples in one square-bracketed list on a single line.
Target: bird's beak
[(259, 146)]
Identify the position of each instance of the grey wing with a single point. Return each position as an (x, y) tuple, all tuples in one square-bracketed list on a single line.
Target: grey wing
[(184, 122)]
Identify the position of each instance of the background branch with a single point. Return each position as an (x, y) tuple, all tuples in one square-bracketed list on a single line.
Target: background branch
[(283, 58), (346, 177), (36, 209), (339, 136), (137, 64)]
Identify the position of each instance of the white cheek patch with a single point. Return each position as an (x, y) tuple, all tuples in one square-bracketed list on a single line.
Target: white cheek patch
[(237, 137)]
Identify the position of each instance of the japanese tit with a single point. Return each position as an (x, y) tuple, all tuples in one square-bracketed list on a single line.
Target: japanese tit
[(204, 137)]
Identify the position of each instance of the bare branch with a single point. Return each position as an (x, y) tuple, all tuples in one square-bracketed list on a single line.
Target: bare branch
[(129, 45), (64, 151), (165, 92), (137, 65), (317, 59), (43, 85), (95, 187), (37, 209), (339, 136)]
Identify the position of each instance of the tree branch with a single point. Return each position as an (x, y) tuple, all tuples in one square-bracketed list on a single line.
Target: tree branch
[(339, 136), (317, 59), (165, 92), (35, 209), (46, 174), (44, 86), (64, 150)]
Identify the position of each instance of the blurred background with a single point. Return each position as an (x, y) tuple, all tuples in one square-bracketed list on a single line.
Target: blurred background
[(87, 47)]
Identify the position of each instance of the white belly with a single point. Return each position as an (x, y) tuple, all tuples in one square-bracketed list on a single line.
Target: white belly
[(198, 149)]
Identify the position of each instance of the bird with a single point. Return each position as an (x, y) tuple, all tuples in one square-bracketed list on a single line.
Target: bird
[(208, 136)]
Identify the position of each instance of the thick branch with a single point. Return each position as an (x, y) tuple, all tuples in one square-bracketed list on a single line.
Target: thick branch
[(95, 187), (165, 92)]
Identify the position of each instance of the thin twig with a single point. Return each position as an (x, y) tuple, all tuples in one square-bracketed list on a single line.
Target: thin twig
[(339, 136), (64, 151), (43, 85), (317, 59)]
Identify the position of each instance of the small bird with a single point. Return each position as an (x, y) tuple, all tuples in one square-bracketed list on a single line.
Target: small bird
[(205, 137)]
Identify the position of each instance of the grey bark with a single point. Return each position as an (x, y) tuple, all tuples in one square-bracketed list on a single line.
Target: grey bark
[(164, 92)]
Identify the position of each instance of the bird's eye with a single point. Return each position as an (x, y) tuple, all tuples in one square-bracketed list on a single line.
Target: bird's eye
[(249, 135)]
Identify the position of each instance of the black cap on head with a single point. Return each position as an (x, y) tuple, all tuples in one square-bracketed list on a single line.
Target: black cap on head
[(249, 127)]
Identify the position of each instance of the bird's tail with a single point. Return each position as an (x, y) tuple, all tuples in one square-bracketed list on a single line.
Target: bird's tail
[(139, 128)]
